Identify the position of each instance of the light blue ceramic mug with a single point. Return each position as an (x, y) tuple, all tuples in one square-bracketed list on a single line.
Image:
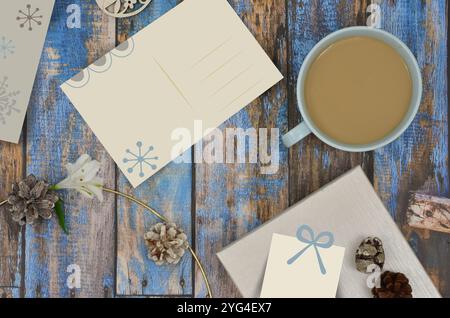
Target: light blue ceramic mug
[(307, 126)]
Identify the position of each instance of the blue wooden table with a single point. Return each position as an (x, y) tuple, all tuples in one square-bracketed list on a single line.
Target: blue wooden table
[(215, 204)]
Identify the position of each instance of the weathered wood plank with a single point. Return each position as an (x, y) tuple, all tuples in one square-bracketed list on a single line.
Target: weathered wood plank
[(57, 135), (429, 212), (312, 163), (169, 192), (418, 161), (11, 234), (233, 199)]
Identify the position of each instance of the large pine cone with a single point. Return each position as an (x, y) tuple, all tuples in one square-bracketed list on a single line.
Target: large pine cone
[(393, 285), (166, 243), (31, 199)]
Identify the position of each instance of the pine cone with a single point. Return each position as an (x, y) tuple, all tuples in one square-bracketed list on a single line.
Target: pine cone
[(369, 252), (31, 199), (166, 243), (393, 285)]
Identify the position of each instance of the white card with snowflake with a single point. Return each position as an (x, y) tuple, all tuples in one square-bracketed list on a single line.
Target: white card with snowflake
[(196, 63), (23, 27)]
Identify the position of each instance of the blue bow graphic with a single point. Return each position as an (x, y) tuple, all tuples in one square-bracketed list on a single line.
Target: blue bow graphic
[(313, 240)]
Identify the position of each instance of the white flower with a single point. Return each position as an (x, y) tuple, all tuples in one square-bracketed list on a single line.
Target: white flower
[(82, 176)]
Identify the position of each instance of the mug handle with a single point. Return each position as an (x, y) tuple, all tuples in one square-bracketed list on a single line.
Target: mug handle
[(296, 134)]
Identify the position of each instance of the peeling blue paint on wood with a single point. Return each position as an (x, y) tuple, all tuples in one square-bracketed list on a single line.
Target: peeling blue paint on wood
[(169, 192), (418, 160), (56, 135)]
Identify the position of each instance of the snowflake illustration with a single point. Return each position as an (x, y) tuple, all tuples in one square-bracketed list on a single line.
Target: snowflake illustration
[(140, 159), (29, 17), (7, 47), (7, 101)]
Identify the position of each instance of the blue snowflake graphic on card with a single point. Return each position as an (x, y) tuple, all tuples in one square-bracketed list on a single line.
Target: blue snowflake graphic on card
[(140, 159), (7, 47)]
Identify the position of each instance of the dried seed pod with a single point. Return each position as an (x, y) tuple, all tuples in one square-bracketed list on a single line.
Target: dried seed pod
[(166, 243), (369, 252), (393, 285)]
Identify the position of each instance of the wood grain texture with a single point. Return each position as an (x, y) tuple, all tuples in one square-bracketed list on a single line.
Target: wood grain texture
[(169, 192), (232, 199), (418, 160), (11, 234), (312, 163), (57, 135)]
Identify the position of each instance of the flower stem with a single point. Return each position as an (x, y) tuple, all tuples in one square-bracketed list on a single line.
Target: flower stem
[(147, 207), (3, 202)]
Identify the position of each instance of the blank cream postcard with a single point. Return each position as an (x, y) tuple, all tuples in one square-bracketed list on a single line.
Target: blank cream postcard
[(23, 27), (302, 269), (197, 62)]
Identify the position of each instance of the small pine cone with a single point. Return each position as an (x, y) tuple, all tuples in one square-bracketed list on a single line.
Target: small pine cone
[(166, 243), (393, 285), (31, 199)]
